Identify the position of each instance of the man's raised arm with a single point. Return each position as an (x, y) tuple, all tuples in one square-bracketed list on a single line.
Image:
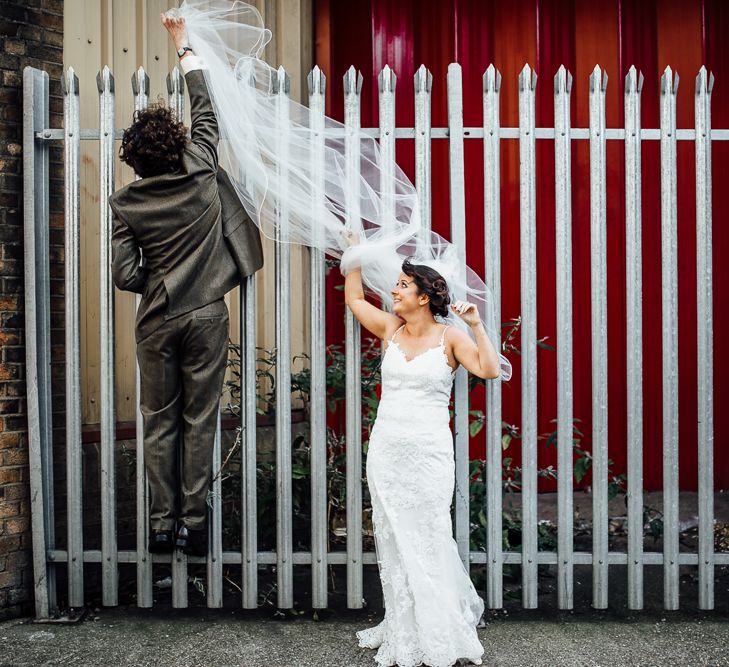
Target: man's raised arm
[(204, 124)]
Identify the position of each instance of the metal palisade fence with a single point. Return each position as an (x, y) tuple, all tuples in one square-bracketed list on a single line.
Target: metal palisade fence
[(46, 557)]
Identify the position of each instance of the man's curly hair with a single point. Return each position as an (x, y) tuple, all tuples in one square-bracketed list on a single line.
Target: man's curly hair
[(154, 142)]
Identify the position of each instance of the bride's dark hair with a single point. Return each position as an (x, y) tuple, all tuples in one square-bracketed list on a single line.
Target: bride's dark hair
[(432, 284)]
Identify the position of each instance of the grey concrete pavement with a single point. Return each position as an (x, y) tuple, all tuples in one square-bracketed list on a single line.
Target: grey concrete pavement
[(194, 638)]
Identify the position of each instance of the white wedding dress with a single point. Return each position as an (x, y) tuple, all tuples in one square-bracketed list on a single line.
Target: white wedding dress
[(431, 606)]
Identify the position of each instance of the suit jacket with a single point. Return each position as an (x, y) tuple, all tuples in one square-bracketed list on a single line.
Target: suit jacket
[(194, 234)]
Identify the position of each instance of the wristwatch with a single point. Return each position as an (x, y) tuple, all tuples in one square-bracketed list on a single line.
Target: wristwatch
[(183, 50)]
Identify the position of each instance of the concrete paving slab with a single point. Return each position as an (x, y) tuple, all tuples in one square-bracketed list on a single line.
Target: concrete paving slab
[(198, 637)]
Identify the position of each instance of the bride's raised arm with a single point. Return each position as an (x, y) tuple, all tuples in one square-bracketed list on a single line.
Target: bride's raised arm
[(374, 319)]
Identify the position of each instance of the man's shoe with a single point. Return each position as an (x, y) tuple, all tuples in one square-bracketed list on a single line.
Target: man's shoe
[(161, 541), (192, 542)]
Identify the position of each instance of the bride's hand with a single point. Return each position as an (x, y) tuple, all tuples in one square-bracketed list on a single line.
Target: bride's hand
[(350, 238), (467, 312)]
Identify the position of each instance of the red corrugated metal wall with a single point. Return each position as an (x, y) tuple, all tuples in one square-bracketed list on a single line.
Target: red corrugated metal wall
[(649, 34)]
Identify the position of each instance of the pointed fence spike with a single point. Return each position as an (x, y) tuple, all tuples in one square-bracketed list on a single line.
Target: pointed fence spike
[(629, 79), (527, 78), (175, 81), (69, 82), (105, 80), (316, 81), (352, 80), (491, 80), (386, 80), (595, 78), (423, 79), (140, 82)]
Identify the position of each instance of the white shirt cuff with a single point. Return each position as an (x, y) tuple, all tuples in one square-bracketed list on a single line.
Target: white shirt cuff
[(189, 63)]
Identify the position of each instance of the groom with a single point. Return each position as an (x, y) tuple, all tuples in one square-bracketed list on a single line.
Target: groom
[(181, 239)]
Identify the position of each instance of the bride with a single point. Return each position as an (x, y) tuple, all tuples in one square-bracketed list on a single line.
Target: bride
[(431, 606)]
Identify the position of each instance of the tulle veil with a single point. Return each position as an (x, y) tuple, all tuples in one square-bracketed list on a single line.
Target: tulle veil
[(266, 146)]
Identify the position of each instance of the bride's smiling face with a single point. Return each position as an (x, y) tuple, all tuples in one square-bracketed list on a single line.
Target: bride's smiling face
[(405, 297)]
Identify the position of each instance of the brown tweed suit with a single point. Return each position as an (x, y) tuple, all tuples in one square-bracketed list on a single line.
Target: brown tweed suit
[(197, 242)]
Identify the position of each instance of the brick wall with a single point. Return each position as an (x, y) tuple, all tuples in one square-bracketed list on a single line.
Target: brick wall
[(31, 33)]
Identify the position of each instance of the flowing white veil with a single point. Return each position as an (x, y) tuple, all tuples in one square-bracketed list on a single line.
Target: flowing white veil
[(266, 147)]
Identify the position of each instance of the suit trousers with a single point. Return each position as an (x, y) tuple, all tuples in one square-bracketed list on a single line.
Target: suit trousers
[(182, 368)]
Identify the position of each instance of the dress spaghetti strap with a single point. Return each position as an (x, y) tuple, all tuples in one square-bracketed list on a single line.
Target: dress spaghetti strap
[(392, 338), (442, 336)]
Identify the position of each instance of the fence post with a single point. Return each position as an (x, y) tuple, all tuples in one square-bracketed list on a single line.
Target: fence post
[(458, 237), (386, 82), (214, 568), (248, 414), (249, 522), (563, 262), (669, 313), (72, 223), (284, 518), (704, 338), (492, 255), (317, 393), (176, 93), (140, 88), (599, 329), (109, 556), (38, 335), (634, 335), (353, 349), (528, 255), (423, 84)]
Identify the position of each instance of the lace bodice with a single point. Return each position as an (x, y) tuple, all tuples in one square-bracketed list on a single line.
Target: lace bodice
[(424, 381)]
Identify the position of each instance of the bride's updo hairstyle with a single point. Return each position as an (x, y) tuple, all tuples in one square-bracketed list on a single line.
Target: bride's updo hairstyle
[(430, 283)]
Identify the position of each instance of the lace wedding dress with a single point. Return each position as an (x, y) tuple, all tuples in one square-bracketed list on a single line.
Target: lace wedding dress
[(431, 606)]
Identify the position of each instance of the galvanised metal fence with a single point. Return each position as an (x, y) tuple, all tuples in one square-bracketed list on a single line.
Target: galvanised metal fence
[(46, 557)]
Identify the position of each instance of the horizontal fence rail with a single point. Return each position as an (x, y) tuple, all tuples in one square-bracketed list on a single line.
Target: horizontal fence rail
[(47, 556)]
